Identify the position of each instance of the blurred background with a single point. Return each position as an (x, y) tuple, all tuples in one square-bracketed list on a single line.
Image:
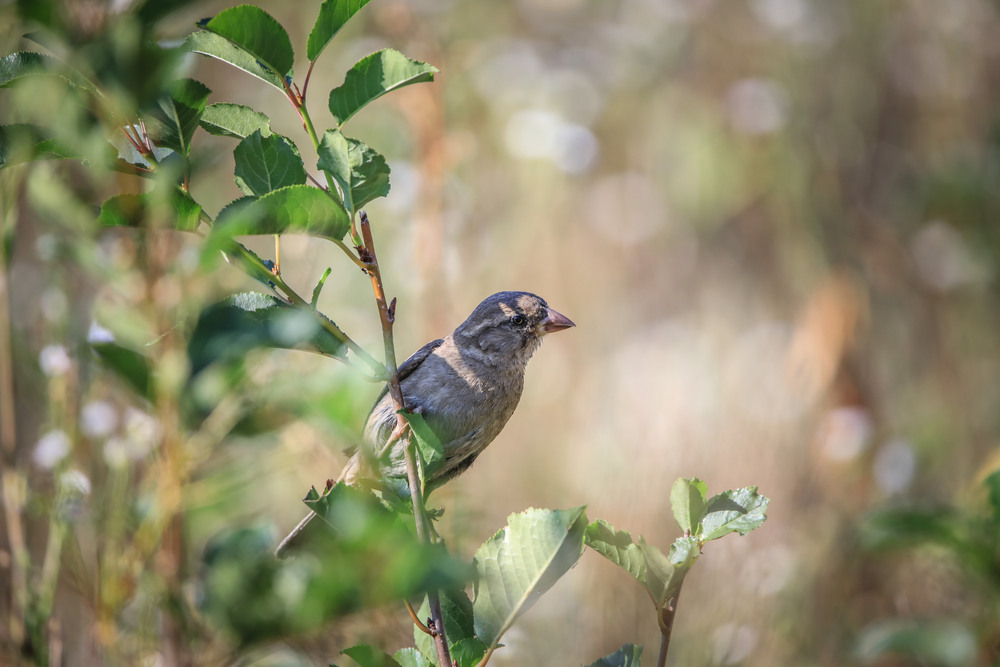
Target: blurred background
[(776, 224)]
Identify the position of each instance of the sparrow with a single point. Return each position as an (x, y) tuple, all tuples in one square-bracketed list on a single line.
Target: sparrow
[(465, 386)]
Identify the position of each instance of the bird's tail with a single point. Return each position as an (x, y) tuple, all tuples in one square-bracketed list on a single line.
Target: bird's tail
[(293, 537)]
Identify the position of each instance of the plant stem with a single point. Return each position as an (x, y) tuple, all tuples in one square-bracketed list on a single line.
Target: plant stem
[(667, 614), (13, 486), (305, 85), (387, 316), (293, 297), (300, 106)]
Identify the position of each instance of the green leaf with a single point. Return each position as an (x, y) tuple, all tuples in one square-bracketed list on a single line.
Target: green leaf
[(661, 576), (684, 550), (297, 209), (411, 657), (319, 286), (369, 656), (942, 643), (129, 210), (898, 527), (129, 365), (215, 46), (23, 142), (354, 522), (228, 330), (617, 546), (734, 511), (256, 32), (177, 114), (687, 498), (256, 598), (140, 211), (459, 627), (247, 260), (468, 652), (372, 77), (234, 120), (21, 64), (265, 164), (521, 562), (152, 11), (428, 445), (361, 173), (17, 66), (333, 14), (628, 655), (992, 484)]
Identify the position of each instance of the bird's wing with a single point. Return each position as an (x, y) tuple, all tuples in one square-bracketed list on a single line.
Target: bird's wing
[(404, 370), (415, 360)]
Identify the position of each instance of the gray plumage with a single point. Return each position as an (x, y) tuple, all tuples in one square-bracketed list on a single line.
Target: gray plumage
[(466, 386)]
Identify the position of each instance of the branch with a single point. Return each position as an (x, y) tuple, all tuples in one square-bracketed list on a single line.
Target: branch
[(387, 315), (13, 485), (375, 370), (666, 616)]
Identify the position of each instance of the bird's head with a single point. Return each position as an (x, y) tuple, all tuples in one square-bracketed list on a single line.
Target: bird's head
[(510, 325)]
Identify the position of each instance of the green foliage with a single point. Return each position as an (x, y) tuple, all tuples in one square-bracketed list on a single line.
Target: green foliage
[(23, 142), (369, 559), (411, 657), (361, 173), (735, 511), (293, 209), (128, 365), (369, 656), (374, 76), (628, 655), (645, 563), (943, 643), (178, 115), (267, 163), (967, 537), (140, 210), (522, 561), (228, 330), (216, 46), (687, 498), (333, 14), (234, 120), (17, 66), (459, 625), (257, 33), (739, 510)]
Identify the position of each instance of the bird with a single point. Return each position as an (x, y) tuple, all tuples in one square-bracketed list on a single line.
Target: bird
[(466, 386)]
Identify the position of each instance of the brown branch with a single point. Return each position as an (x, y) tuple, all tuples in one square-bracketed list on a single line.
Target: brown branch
[(305, 84), (387, 315), (666, 620), (416, 619)]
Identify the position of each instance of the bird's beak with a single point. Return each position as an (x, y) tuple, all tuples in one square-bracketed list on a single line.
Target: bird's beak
[(554, 321)]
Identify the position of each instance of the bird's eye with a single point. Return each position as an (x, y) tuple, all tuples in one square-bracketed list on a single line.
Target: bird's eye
[(518, 320)]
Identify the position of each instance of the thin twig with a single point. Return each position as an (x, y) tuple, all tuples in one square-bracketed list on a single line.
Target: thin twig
[(135, 144), (305, 84), (416, 619), (347, 251), (145, 137), (315, 182), (296, 300)]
